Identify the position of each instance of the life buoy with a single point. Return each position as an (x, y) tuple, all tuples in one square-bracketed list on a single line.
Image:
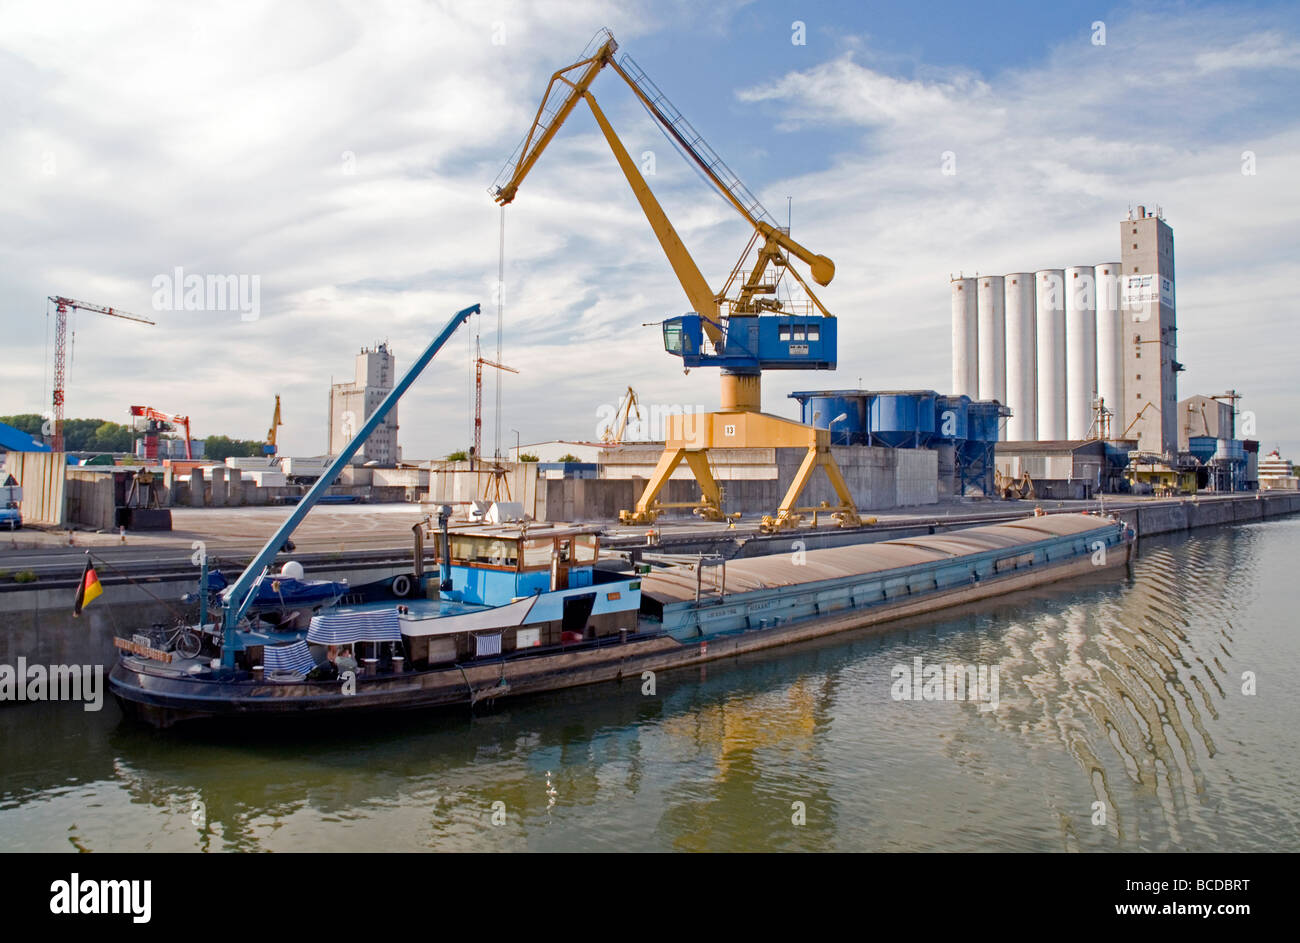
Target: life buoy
[(402, 586)]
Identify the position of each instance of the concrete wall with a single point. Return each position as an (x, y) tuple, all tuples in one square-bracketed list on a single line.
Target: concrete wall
[(1190, 513), (41, 476), (876, 477), (92, 499)]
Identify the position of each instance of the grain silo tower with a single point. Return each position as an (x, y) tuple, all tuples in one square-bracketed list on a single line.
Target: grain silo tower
[(965, 338), (1110, 349), (1080, 349), (1022, 358), (992, 338), (1050, 326)]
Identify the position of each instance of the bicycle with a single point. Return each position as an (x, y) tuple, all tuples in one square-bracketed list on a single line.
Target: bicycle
[(180, 637)]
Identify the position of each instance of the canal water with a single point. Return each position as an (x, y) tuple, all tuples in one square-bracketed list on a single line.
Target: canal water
[(1125, 721)]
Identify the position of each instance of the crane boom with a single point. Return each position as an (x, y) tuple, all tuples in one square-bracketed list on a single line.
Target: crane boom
[(62, 306), (703, 300), (713, 167)]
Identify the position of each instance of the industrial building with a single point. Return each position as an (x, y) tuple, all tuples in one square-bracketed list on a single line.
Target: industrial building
[(1066, 469), (1087, 353), (352, 403), (1210, 416), (1277, 473), (1151, 333), (1068, 349)]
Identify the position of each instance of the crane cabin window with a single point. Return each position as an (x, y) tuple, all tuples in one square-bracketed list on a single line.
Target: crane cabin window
[(798, 332), (673, 338)]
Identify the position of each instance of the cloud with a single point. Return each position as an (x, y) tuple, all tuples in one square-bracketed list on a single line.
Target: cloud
[(343, 151)]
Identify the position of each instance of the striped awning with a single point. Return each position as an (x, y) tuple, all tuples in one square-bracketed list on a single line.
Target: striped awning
[(345, 628), (292, 657), (487, 644)]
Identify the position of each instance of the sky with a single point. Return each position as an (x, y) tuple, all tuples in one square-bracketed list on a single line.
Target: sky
[(338, 156)]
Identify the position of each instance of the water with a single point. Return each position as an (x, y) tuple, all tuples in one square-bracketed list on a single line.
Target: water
[(1124, 692)]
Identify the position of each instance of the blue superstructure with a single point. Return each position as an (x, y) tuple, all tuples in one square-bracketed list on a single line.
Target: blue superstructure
[(755, 342)]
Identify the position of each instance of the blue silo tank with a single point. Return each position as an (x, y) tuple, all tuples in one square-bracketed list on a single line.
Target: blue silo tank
[(902, 420)]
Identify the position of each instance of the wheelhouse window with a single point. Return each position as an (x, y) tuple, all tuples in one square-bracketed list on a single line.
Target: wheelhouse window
[(537, 553), (484, 549), (585, 548)]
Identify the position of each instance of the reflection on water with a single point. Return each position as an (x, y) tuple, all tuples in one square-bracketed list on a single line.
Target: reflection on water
[(1122, 726)]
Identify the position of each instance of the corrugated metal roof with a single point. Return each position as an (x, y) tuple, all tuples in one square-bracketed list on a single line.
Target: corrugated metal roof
[(15, 440), (677, 583)]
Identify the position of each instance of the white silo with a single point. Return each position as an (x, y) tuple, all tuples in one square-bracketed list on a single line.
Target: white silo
[(1110, 345), (1022, 374), (1050, 326), (992, 339), (1080, 349), (965, 338)]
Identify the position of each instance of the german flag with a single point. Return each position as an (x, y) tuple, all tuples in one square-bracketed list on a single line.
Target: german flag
[(88, 590)]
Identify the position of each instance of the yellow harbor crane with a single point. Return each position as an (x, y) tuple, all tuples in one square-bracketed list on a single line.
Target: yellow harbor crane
[(743, 328), (270, 447), (613, 433)]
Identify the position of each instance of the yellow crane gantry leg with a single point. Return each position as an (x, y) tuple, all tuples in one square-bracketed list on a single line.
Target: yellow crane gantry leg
[(690, 439)]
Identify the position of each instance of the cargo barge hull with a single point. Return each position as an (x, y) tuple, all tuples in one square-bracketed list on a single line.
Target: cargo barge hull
[(677, 633)]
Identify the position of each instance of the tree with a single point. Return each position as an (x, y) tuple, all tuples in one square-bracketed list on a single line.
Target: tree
[(458, 456), (111, 437), (528, 457), (217, 448), (569, 457)]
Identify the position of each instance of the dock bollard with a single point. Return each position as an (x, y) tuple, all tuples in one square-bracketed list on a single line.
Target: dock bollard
[(622, 636)]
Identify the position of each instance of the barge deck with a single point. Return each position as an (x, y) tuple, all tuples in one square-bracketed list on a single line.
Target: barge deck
[(688, 615)]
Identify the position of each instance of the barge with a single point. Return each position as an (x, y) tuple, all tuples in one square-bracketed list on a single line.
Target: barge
[(520, 610)]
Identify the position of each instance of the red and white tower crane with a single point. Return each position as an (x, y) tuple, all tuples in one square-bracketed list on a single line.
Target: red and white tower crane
[(61, 308)]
